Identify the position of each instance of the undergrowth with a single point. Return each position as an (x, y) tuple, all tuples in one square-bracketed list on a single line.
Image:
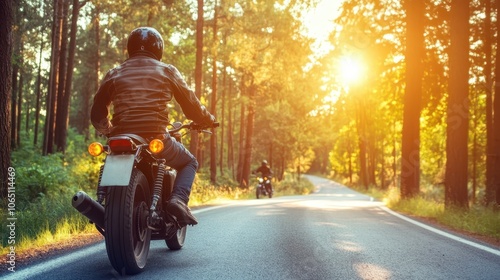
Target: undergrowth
[(478, 219)]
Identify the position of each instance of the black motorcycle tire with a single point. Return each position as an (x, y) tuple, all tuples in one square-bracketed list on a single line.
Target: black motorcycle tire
[(257, 192), (177, 241), (125, 225)]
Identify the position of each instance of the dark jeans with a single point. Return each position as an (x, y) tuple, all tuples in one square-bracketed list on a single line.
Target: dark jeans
[(179, 158)]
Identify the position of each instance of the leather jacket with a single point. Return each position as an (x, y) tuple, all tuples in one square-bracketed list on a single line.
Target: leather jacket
[(140, 89), (265, 171)]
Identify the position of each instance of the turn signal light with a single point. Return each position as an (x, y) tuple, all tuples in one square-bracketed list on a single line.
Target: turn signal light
[(156, 146), (96, 149)]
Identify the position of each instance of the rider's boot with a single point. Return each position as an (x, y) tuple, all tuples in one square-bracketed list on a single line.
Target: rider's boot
[(181, 211)]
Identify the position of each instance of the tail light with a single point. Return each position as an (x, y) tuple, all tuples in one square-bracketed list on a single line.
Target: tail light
[(121, 144)]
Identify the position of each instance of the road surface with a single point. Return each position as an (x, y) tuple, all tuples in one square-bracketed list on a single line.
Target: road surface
[(334, 233)]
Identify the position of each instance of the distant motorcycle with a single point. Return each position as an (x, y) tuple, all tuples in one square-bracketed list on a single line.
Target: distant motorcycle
[(134, 186), (263, 187)]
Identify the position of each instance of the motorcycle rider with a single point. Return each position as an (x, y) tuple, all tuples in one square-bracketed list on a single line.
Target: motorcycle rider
[(139, 90), (265, 171)]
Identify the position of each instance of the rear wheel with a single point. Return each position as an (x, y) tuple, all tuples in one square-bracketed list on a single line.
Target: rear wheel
[(177, 240), (126, 232)]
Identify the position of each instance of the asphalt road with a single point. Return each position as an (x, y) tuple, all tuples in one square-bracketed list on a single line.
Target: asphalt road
[(334, 233)]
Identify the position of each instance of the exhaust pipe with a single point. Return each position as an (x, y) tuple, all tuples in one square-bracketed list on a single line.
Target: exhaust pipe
[(89, 208)]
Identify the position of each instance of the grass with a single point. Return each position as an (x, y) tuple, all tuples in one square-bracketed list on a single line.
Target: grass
[(479, 220), (46, 222)]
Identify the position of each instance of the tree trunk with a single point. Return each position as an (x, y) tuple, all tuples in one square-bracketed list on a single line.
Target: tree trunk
[(19, 108), (247, 162), (213, 104), (97, 62), (283, 164), (362, 162), (14, 108), (38, 92), (372, 160), (490, 148), (6, 20), (27, 120), (48, 140), (230, 132), (496, 117), (271, 154), (361, 127), (13, 105), (475, 158), (410, 150), (198, 72), (241, 143), (59, 132), (64, 106), (223, 120), (458, 107), (16, 65)]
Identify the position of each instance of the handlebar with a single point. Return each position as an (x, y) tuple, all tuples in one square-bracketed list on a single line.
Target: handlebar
[(192, 126)]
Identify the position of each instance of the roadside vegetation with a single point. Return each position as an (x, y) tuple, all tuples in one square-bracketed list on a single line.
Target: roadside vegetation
[(478, 220)]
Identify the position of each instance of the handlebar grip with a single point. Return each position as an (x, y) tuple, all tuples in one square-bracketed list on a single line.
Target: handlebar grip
[(195, 126)]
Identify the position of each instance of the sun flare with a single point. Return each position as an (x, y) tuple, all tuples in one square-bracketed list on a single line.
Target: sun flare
[(351, 69)]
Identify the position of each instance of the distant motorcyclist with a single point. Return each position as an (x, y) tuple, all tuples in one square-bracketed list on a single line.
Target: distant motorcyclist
[(265, 171)]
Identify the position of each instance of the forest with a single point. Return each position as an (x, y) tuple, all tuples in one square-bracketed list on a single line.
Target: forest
[(402, 95)]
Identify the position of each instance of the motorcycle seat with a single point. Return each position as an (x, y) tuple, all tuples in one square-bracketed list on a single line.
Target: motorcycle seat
[(136, 138)]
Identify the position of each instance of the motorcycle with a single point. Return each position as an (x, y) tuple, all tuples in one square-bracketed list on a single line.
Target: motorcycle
[(134, 187), (263, 187)]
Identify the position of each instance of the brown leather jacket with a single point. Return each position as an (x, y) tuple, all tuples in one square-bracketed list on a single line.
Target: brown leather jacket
[(140, 89)]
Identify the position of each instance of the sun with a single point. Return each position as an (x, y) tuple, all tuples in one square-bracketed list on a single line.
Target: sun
[(351, 70)]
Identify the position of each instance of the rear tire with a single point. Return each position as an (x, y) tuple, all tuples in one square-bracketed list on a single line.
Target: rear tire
[(125, 221), (177, 241)]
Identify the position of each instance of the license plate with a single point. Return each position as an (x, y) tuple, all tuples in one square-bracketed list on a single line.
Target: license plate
[(117, 170)]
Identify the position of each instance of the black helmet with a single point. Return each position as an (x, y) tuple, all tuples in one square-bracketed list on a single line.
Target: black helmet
[(145, 39)]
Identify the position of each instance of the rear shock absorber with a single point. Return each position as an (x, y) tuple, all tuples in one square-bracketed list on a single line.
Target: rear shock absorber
[(158, 186)]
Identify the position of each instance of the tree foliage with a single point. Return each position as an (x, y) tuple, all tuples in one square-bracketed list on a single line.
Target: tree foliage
[(374, 29)]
